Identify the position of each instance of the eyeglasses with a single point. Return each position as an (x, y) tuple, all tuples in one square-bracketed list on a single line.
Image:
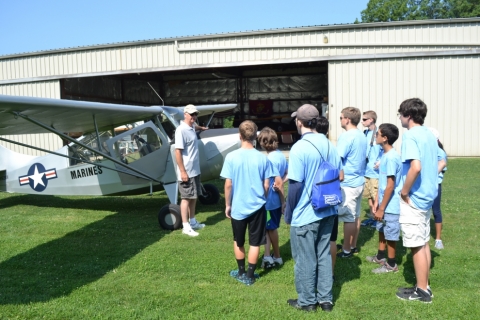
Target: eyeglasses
[(194, 114), (400, 115), (376, 134), (341, 118), (365, 119)]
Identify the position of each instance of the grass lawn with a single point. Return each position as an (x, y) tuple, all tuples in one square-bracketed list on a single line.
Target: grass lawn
[(107, 258)]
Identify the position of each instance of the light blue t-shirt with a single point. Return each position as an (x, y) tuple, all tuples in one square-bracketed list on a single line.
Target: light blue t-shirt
[(374, 153), (303, 164), (419, 143), (441, 156), (279, 162), (352, 148), (247, 168), (390, 165)]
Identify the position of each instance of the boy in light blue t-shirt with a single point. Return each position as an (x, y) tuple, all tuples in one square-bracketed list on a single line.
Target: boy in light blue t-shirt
[(386, 208), (247, 174), (275, 205)]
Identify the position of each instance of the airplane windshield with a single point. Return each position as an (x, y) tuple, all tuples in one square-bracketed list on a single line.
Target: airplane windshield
[(137, 145)]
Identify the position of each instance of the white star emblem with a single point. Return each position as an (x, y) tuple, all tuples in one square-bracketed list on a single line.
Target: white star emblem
[(37, 178)]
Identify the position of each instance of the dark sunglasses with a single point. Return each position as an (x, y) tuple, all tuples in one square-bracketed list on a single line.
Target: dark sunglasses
[(194, 114), (365, 119)]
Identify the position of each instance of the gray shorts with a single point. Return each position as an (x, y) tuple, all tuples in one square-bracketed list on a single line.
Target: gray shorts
[(390, 226), (190, 189)]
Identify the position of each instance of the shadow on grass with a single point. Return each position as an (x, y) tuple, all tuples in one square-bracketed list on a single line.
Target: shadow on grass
[(60, 266), (285, 253)]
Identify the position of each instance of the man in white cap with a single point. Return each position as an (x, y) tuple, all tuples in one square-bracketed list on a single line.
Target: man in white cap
[(188, 169), (310, 229)]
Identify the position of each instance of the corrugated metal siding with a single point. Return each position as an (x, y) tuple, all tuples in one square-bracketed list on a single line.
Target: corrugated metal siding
[(243, 49), (450, 86), (49, 141)]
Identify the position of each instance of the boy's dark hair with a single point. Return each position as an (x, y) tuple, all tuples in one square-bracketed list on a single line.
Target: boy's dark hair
[(390, 131), (268, 139), (248, 130), (415, 109), (310, 124), (322, 126)]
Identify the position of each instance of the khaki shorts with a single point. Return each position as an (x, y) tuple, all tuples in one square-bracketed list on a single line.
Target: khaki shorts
[(415, 225), (350, 208), (371, 188), (191, 188)]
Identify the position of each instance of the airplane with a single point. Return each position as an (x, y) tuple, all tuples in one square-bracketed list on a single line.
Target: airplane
[(139, 158)]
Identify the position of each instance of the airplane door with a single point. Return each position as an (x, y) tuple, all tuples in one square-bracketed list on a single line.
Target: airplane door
[(144, 148)]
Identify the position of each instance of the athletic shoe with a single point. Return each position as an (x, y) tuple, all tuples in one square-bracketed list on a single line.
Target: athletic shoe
[(294, 303), (339, 247), (367, 222), (344, 255), (234, 274), (189, 232), (417, 295), (439, 244), (354, 250), (278, 261), (267, 262), (385, 268), (197, 226), (245, 280), (374, 259), (326, 306), (412, 289)]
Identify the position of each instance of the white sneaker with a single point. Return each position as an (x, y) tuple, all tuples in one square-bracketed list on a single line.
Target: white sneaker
[(439, 244), (267, 262), (278, 261), (189, 232), (197, 226)]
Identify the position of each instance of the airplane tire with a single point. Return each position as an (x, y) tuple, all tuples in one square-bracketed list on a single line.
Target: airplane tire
[(211, 196), (170, 217)]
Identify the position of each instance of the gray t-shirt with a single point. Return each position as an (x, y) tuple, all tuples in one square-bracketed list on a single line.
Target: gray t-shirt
[(186, 140)]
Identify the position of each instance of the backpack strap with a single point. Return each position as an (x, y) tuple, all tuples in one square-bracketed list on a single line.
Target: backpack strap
[(328, 144)]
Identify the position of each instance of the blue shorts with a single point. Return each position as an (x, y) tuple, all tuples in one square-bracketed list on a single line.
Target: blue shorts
[(390, 227), (273, 218)]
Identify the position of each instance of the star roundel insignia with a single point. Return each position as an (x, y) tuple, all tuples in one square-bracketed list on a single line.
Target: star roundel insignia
[(38, 177)]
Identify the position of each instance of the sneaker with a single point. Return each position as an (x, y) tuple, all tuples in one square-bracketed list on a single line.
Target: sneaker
[(278, 261), (374, 259), (385, 268), (344, 255), (367, 222), (189, 232), (354, 250), (417, 295), (439, 244), (339, 247), (412, 289), (267, 262), (197, 226), (234, 274), (309, 308)]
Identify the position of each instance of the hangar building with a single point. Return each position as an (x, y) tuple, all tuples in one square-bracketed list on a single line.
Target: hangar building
[(270, 73)]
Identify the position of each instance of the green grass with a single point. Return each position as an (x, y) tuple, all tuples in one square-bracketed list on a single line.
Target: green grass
[(106, 258)]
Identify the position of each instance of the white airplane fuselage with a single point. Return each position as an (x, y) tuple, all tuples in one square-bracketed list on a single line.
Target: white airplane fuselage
[(53, 175)]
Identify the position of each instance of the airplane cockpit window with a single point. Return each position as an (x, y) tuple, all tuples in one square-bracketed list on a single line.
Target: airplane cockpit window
[(82, 154), (168, 126), (137, 145)]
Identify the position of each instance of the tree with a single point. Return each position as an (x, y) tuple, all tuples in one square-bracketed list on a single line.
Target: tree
[(398, 10)]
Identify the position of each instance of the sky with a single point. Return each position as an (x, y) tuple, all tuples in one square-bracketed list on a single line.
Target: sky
[(39, 25)]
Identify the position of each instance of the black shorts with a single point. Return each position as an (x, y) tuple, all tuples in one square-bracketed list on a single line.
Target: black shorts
[(334, 234), (256, 229)]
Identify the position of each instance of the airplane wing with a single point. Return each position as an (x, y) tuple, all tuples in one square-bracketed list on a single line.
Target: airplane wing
[(66, 115)]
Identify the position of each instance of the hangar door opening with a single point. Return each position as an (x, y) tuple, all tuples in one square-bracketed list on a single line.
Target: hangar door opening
[(265, 94)]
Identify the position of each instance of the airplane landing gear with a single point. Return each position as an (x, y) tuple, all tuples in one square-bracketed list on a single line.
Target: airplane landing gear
[(211, 195), (170, 217)]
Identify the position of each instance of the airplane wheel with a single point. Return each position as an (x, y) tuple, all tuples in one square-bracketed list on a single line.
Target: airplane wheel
[(211, 195), (170, 217)]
